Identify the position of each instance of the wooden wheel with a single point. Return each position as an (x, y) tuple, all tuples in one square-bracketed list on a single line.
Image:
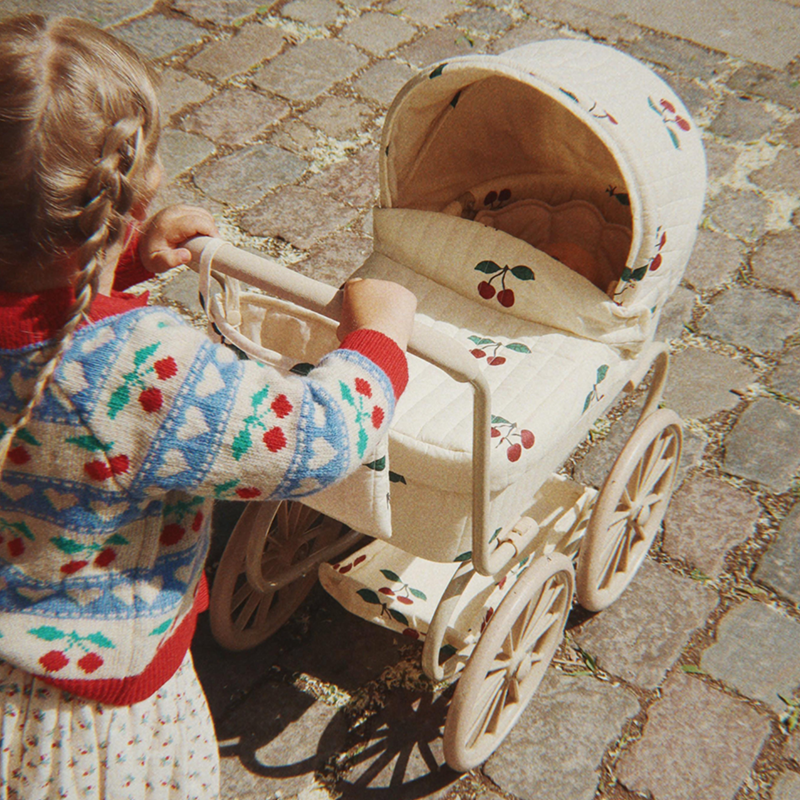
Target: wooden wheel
[(508, 662), (629, 510), (241, 615)]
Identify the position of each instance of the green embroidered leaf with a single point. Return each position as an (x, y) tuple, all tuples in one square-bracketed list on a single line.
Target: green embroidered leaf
[(588, 402), (378, 465), (488, 267), (48, 633), (674, 136), (120, 397), (140, 356), (391, 576), (464, 556), (395, 477), (495, 535), (363, 441), (480, 340), (225, 487), (626, 274), (418, 594), (523, 273), (99, 640), (653, 106), (369, 596), (438, 71), (90, 443), (23, 529), (242, 442), (302, 368), (569, 94), (401, 618), (259, 397), (116, 538), (499, 420), (518, 347), (602, 371), (347, 395), (162, 628), (68, 546), (638, 274), (28, 438)]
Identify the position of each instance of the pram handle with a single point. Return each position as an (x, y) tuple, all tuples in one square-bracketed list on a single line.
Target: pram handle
[(427, 343)]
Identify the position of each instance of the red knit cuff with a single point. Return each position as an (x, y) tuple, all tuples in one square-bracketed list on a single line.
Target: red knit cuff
[(130, 269), (384, 352)]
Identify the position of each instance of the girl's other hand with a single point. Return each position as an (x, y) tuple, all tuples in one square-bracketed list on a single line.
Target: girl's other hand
[(379, 306), (164, 233)]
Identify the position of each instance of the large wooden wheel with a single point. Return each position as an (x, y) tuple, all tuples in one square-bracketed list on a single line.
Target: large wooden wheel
[(290, 534), (508, 662), (629, 510)]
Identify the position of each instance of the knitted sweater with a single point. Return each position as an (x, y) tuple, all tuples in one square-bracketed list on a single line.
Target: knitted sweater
[(106, 495)]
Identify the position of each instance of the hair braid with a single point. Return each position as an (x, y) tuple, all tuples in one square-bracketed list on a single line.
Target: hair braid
[(102, 220)]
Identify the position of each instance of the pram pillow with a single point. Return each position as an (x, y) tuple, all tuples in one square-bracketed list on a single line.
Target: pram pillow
[(492, 267)]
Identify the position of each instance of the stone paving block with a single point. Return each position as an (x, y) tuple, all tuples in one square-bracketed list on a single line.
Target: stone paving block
[(353, 181), (639, 637), (180, 151), (177, 90), (598, 25), (776, 263), (226, 13), (741, 213), (742, 120), (783, 174), (100, 12), (763, 32), (339, 116), (253, 44), (706, 518), (698, 743), (702, 383), (378, 33), (719, 158), (715, 260), (555, 749), (530, 31), (305, 71), (235, 116), (786, 377), (485, 20), (764, 445), (182, 289), (273, 743), (244, 177), (792, 133), (320, 13), (297, 137), (751, 318), (779, 567), (695, 97), (777, 85), (787, 787), (745, 635), (425, 12), (334, 259), (792, 748), (677, 55), (676, 314), (156, 36), (439, 44), (382, 81), (298, 215)]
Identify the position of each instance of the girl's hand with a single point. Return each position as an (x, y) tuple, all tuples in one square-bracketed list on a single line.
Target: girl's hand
[(164, 233), (380, 306)]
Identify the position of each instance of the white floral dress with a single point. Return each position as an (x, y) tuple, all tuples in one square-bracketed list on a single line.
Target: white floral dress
[(54, 745)]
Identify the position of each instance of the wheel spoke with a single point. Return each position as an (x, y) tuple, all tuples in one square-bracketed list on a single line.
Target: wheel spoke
[(492, 687), (658, 465), (240, 595), (249, 608), (618, 560), (282, 523)]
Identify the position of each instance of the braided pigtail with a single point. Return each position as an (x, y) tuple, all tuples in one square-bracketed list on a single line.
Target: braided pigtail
[(79, 130)]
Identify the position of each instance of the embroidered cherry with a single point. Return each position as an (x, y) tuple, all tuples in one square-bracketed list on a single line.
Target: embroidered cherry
[(505, 296), (97, 470), (171, 534), (527, 438), (387, 591), (53, 661), (667, 106), (378, 416), (151, 400), (478, 353), (655, 263), (19, 455), (281, 406), (119, 464), (275, 439), (514, 451), (363, 387), (248, 492), (16, 547), (495, 433), (486, 290), (166, 368), (73, 566), (104, 557), (91, 662), (495, 361), (197, 522), (411, 633), (682, 123)]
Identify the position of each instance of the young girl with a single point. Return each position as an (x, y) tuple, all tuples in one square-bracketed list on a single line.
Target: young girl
[(120, 424)]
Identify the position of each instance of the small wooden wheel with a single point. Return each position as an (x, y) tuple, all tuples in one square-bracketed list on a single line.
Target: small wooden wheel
[(508, 662), (243, 617), (629, 510)]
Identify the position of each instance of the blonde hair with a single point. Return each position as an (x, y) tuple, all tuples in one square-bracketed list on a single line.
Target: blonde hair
[(79, 130)]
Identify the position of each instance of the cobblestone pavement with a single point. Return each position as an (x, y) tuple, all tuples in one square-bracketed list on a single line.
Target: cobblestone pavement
[(686, 688)]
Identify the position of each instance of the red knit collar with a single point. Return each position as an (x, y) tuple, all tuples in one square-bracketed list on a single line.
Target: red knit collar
[(27, 319)]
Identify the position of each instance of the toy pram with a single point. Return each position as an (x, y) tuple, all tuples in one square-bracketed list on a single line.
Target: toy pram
[(487, 163)]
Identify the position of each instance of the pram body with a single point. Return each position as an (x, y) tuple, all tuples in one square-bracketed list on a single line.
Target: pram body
[(485, 162)]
